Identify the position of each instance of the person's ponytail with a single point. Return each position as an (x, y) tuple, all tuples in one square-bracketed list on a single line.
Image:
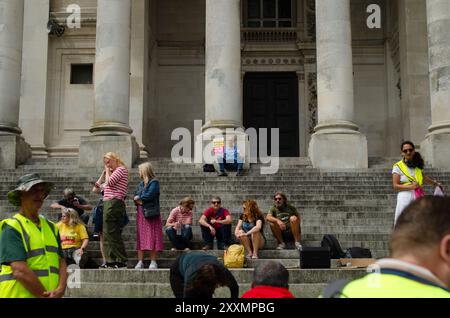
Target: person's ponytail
[(418, 160)]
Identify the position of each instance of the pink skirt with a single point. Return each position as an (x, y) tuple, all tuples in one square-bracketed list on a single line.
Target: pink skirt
[(149, 232)]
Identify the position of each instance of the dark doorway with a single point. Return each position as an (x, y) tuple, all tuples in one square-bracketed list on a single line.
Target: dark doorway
[(271, 101)]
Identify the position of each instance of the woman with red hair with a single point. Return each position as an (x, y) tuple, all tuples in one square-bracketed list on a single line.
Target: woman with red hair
[(250, 228)]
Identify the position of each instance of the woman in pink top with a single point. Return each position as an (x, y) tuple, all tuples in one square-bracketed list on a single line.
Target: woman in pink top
[(179, 225), (114, 211)]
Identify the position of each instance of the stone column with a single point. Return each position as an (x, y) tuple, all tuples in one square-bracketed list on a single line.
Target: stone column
[(223, 92), (34, 73), (111, 130), (13, 149), (336, 142), (436, 147)]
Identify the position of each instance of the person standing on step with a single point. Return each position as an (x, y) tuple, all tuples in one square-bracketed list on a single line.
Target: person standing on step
[(149, 233), (250, 228), (419, 263), (197, 275), (270, 280), (231, 159), (216, 223), (179, 225), (408, 178), (73, 201), (114, 210), (31, 258), (284, 221)]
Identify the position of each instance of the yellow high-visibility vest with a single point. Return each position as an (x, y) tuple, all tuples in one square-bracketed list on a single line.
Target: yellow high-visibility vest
[(417, 171), (42, 256), (389, 283)]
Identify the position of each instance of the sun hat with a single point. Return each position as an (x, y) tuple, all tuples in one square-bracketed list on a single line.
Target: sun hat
[(24, 184)]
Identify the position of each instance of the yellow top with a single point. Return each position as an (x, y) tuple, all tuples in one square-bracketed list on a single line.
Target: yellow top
[(72, 236)]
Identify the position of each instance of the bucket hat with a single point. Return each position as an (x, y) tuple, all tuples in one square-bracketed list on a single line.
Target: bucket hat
[(24, 184)]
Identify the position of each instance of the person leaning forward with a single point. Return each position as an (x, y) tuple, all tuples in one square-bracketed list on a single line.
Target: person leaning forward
[(30, 248), (419, 264)]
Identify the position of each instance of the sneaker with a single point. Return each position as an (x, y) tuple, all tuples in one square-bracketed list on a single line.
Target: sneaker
[(103, 266), (139, 265), (206, 248), (223, 174), (153, 265), (120, 265), (187, 249), (239, 173), (298, 246), (281, 246), (173, 249)]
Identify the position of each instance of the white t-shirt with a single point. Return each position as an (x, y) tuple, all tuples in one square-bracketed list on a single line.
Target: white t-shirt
[(403, 178)]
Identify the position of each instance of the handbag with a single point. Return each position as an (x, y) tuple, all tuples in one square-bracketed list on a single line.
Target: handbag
[(151, 213)]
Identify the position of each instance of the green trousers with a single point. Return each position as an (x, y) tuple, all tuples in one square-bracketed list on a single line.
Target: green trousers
[(113, 216)]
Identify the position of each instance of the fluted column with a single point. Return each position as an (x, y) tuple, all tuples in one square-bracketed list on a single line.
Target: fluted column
[(13, 149), (111, 130), (436, 147), (336, 142)]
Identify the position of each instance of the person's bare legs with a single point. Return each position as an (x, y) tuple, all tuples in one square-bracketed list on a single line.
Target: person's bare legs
[(257, 242), (153, 255), (295, 228), (246, 242), (276, 231)]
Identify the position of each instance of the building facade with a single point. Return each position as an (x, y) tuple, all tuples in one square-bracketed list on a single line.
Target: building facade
[(343, 80)]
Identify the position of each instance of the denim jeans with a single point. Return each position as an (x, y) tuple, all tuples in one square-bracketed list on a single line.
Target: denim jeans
[(180, 242), (230, 165), (223, 235)]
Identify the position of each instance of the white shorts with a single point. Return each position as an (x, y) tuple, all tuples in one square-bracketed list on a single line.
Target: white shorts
[(404, 198)]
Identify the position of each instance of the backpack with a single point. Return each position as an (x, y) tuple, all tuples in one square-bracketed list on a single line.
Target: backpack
[(234, 256), (208, 168), (358, 252), (332, 243)]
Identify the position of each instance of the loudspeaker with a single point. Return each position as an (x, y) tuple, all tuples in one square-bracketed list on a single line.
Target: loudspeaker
[(315, 257)]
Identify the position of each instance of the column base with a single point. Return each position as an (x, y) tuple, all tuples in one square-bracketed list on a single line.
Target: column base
[(13, 151), (93, 148), (339, 151), (436, 150)]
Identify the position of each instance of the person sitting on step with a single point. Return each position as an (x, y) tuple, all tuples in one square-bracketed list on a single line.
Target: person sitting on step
[(216, 222), (73, 201), (284, 221), (250, 228), (231, 159), (179, 225)]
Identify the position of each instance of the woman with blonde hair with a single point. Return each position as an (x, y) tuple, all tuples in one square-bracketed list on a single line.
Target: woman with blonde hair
[(179, 225), (149, 235), (74, 237), (250, 228), (115, 190)]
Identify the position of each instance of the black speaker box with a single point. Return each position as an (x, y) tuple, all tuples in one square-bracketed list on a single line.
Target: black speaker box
[(315, 257)]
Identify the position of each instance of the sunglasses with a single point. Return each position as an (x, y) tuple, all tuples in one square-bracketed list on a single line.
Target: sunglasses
[(215, 202), (278, 199), (408, 150)]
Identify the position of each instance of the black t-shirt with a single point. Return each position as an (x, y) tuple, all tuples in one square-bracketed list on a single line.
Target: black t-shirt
[(69, 205)]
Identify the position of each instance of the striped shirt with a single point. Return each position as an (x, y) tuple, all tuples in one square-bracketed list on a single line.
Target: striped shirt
[(180, 214), (117, 185)]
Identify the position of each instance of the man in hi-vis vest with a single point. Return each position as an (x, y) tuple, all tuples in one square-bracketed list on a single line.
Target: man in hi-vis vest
[(30, 248), (419, 266)]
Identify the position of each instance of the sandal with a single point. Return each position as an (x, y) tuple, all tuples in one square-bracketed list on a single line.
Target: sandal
[(255, 257)]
